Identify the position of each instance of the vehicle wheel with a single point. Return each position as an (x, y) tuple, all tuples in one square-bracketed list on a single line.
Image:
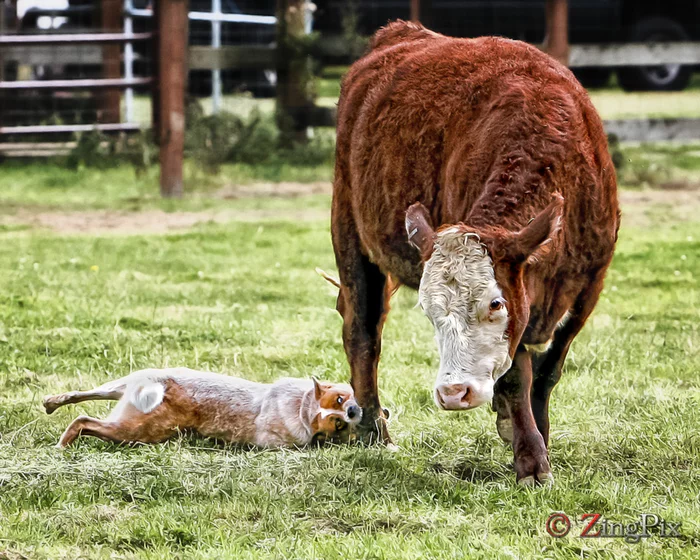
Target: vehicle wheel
[(593, 77), (666, 77)]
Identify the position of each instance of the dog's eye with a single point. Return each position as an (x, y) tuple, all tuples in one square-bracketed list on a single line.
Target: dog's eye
[(339, 400), (339, 424)]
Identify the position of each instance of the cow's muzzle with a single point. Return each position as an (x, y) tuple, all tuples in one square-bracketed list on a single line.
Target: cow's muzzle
[(460, 396)]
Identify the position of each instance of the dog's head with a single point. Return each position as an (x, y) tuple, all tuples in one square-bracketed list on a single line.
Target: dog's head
[(338, 412)]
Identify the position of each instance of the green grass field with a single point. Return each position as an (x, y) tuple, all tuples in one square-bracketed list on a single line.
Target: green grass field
[(241, 297)]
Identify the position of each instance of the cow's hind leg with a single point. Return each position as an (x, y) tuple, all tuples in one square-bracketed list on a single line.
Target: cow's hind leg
[(548, 366), (504, 424)]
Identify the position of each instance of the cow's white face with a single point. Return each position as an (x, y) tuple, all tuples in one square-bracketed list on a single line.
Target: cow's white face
[(459, 294)]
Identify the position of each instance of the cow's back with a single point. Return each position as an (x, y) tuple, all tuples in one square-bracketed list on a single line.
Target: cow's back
[(423, 117)]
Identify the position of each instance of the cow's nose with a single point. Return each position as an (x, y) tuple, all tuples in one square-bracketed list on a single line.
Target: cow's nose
[(354, 412), (454, 396)]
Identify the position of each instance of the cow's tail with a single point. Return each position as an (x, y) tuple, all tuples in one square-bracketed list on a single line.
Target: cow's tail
[(393, 285), (331, 279)]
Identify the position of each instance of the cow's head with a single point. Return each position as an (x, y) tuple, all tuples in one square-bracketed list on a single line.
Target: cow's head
[(473, 292)]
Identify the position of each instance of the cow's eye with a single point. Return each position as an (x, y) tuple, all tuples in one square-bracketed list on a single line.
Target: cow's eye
[(339, 424), (497, 304), (339, 400)]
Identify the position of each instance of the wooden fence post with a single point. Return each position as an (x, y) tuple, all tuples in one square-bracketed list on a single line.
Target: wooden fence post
[(110, 99), (155, 72), (556, 39), (421, 12), (294, 100), (172, 81), (3, 102)]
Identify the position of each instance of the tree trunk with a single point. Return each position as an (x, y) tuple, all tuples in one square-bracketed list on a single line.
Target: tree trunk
[(294, 99), (556, 39)]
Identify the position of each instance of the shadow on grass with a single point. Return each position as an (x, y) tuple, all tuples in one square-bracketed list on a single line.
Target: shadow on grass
[(472, 471)]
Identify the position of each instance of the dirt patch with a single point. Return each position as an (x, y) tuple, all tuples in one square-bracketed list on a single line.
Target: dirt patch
[(653, 207), (679, 185), (157, 221), (148, 221), (273, 190), (639, 209)]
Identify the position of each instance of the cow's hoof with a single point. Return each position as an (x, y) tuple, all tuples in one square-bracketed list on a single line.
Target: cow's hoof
[(504, 426), (546, 479), (542, 479), (373, 430), (527, 481), (532, 466)]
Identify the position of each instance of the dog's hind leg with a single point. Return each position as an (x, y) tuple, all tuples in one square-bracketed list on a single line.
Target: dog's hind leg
[(106, 430), (112, 391), (84, 425), (125, 424)]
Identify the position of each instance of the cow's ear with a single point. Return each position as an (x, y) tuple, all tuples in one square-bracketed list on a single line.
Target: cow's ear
[(419, 229), (535, 239)]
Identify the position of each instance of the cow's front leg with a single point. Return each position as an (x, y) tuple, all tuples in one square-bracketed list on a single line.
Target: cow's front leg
[(363, 303), (512, 391)]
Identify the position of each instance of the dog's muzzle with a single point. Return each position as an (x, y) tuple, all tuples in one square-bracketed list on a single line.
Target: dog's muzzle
[(354, 413)]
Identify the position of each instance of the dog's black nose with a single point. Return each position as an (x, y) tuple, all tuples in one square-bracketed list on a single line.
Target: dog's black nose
[(353, 411)]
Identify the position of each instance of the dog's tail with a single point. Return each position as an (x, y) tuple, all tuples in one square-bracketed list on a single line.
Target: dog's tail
[(147, 396)]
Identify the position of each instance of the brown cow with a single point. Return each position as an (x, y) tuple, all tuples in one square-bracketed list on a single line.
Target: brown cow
[(497, 146)]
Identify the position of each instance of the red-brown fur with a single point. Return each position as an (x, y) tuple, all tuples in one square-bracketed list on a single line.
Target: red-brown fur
[(487, 132)]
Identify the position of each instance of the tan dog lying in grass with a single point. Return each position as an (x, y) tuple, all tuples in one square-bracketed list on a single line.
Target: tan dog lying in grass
[(155, 405)]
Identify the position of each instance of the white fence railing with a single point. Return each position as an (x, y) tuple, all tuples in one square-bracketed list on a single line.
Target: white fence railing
[(216, 17)]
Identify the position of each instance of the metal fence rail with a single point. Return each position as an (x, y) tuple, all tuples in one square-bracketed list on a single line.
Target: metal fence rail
[(71, 38), (69, 128)]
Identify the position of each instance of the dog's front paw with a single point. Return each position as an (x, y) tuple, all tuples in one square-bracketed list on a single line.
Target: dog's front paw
[(50, 404)]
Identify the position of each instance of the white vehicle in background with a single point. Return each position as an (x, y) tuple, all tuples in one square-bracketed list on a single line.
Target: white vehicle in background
[(36, 12), (50, 16), (590, 22)]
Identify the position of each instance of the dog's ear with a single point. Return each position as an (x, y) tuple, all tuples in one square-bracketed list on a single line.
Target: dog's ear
[(318, 390)]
